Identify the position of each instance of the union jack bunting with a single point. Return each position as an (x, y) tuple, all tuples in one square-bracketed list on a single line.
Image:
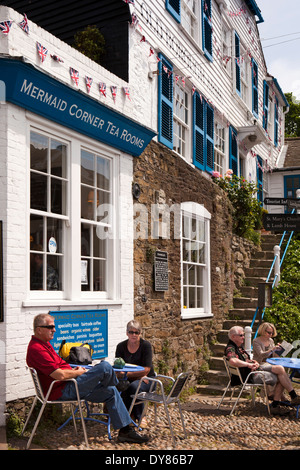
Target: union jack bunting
[(56, 58), (102, 88), (42, 51), (131, 2), (88, 82), (24, 24), (126, 91), (74, 76), (5, 26), (114, 92)]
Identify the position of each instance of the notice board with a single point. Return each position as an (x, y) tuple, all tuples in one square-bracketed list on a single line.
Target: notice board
[(82, 326)]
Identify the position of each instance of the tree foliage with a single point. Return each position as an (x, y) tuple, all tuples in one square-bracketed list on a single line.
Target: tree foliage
[(91, 43), (292, 118)]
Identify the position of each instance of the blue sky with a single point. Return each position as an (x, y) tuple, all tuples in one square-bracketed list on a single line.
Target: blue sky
[(282, 52)]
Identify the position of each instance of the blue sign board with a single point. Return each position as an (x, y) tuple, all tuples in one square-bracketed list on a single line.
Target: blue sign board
[(32, 89), (82, 326)]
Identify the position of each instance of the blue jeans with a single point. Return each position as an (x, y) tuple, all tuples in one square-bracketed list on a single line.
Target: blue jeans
[(98, 385), (127, 397)]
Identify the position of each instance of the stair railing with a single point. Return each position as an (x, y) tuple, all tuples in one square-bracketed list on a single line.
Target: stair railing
[(276, 265)]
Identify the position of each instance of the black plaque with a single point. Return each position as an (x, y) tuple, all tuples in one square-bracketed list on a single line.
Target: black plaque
[(282, 201), (1, 276), (161, 274), (282, 222)]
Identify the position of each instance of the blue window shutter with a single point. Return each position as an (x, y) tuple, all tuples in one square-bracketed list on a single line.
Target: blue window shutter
[(233, 151), (165, 103), (173, 7), (254, 88), (259, 177), (207, 29), (209, 138), (276, 123), (266, 106), (198, 138), (237, 64)]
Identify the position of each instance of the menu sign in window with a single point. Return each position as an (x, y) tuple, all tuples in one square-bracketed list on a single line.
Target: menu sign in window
[(82, 326), (161, 271)]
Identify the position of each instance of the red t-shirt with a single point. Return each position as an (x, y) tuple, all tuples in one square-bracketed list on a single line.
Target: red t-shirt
[(42, 357)]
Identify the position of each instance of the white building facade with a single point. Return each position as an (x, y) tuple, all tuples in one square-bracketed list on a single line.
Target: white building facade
[(67, 149), (197, 79), (212, 96)]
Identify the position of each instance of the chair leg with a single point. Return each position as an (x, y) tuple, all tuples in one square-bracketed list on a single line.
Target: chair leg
[(170, 424), (182, 419), (83, 423), (29, 415), (36, 425), (236, 402), (223, 396)]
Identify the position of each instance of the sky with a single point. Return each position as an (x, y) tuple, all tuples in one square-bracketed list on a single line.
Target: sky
[(282, 25)]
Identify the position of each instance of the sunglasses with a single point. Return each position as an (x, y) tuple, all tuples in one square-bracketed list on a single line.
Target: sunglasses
[(133, 332), (49, 327)]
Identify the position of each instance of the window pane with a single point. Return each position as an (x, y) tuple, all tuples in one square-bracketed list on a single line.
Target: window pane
[(87, 203), (55, 231), (58, 159), (99, 275), (85, 240), (103, 174), (38, 192), (54, 272), (87, 168), (58, 196), (36, 233), (100, 246), (39, 152)]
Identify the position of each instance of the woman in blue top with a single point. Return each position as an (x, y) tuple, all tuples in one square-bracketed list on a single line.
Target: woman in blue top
[(138, 351)]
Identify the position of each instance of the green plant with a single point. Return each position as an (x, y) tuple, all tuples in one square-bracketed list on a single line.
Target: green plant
[(285, 310), (247, 210), (91, 43)]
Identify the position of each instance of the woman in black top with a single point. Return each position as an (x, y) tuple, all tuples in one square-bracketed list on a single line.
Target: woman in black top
[(138, 351)]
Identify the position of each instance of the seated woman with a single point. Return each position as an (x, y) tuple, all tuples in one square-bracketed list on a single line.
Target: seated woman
[(138, 351), (263, 348)]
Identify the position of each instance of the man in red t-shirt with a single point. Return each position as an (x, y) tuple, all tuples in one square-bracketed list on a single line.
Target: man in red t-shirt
[(96, 384)]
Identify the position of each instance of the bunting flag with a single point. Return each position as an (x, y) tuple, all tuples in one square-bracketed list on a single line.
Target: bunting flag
[(56, 58), (126, 91), (24, 24), (114, 92), (131, 2), (42, 51), (88, 82), (102, 89), (74, 76), (5, 26)]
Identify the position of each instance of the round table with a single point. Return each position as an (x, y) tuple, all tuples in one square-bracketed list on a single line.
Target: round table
[(289, 362)]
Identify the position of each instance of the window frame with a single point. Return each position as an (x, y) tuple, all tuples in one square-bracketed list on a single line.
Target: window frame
[(193, 209), (72, 238)]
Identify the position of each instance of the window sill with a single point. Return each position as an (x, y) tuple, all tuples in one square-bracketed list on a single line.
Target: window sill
[(70, 303), (190, 315)]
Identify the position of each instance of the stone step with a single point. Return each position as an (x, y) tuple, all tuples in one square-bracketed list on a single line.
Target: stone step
[(254, 280), (261, 263), (244, 302), (242, 313), (257, 272)]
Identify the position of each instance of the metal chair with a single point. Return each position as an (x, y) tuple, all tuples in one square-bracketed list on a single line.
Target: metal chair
[(244, 385), (158, 397), (45, 401)]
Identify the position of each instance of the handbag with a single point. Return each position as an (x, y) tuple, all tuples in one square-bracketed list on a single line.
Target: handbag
[(76, 353)]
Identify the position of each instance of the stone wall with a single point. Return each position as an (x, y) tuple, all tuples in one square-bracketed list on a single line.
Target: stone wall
[(179, 344)]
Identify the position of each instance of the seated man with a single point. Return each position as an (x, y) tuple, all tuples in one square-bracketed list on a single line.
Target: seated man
[(96, 384), (238, 357)]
